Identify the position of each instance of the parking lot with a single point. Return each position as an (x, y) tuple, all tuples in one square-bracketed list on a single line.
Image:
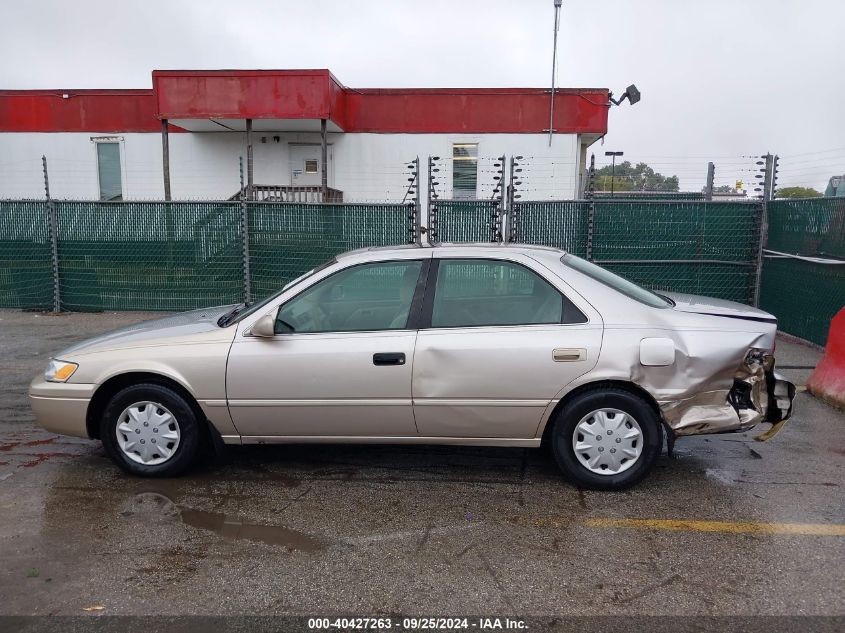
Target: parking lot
[(730, 526)]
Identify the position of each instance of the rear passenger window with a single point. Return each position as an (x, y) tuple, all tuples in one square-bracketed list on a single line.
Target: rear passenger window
[(478, 292)]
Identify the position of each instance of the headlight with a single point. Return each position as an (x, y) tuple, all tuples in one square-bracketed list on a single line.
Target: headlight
[(59, 371)]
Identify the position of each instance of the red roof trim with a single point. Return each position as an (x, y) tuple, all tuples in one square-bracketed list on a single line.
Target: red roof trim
[(298, 94)]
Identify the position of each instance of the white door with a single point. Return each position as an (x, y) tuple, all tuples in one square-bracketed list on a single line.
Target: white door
[(306, 169)]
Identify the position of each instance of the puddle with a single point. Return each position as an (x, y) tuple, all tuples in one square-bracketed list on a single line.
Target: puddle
[(157, 507), (229, 527)]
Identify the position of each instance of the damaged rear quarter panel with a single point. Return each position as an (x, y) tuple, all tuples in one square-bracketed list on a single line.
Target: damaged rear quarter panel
[(692, 392)]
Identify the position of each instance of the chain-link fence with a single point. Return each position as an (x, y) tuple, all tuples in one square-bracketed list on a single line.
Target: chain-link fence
[(26, 279), (703, 248), (463, 220), (182, 255), (287, 240), (803, 280), (175, 255)]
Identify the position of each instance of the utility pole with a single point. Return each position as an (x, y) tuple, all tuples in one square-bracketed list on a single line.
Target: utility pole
[(708, 188), (554, 69), (613, 170)]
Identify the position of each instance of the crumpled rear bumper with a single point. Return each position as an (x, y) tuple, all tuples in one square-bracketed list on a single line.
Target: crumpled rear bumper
[(758, 394)]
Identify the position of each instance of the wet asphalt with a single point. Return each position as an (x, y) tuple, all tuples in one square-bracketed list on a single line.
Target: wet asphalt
[(372, 530)]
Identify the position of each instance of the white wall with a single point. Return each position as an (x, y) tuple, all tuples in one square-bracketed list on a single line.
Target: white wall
[(366, 167)]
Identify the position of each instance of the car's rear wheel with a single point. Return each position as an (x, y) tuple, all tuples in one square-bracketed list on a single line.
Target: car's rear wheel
[(150, 430), (606, 439)]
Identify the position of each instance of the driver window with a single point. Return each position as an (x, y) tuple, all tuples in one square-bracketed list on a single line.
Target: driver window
[(361, 298)]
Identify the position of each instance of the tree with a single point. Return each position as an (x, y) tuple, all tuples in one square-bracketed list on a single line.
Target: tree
[(797, 192), (722, 189), (629, 177)]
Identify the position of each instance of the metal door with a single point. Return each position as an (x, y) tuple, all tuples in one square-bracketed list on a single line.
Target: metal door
[(306, 169)]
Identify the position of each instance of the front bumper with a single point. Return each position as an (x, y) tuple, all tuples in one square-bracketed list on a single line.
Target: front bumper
[(758, 394), (61, 407)]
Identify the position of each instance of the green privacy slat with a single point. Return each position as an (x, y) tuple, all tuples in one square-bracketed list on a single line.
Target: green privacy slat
[(562, 224), (803, 295), (287, 240), (465, 220), (651, 195), (26, 280), (149, 255), (176, 255), (811, 226), (676, 231), (182, 255), (685, 246)]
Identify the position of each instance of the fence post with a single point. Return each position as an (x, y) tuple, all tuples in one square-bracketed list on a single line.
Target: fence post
[(244, 217), (711, 175), (431, 205), (591, 207), (512, 197), (764, 225), (414, 222), (417, 204), (498, 218), (53, 229)]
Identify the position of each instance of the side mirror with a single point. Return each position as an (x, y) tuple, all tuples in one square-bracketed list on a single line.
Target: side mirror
[(265, 327)]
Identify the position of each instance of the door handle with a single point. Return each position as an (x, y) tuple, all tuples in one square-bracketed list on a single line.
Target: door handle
[(389, 358), (569, 355)]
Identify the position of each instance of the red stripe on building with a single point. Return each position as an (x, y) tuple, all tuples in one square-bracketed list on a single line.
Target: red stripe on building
[(302, 94), (78, 111)]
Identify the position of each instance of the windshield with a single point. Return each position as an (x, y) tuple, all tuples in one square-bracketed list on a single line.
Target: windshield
[(257, 306), (627, 288)]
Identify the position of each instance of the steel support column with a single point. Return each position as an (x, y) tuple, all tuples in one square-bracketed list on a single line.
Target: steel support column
[(324, 160), (249, 181), (165, 158)]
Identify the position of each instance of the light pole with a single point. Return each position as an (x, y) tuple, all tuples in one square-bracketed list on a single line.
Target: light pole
[(557, 4), (613, 169)]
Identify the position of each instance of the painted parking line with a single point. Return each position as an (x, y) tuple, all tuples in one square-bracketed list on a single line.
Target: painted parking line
[(731, 527)]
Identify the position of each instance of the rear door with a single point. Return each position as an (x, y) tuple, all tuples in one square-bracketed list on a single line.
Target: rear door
[(499, 342)]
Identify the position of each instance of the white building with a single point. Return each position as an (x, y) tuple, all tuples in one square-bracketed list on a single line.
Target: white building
[(309, 137)]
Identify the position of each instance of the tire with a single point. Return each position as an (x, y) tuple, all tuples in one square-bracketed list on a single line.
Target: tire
[(630, 432), (172, 426)]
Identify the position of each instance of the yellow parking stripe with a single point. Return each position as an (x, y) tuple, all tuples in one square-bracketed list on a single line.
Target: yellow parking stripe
[(681, 525)]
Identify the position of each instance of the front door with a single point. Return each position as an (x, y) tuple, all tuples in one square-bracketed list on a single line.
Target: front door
[(306, 169), (502, 343), (339, 364)]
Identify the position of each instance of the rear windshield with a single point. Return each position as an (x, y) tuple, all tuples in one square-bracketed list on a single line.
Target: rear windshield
[(627, 288)]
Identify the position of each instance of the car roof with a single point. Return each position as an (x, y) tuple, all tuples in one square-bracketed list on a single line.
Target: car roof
[(469, 247)]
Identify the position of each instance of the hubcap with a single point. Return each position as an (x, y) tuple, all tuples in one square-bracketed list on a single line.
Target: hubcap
[(607, 441), (147, 433)]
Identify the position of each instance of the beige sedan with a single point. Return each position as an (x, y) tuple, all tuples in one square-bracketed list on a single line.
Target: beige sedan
[(486, 345)]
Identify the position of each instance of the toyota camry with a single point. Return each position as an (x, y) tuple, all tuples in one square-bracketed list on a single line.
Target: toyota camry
[(483, 345)]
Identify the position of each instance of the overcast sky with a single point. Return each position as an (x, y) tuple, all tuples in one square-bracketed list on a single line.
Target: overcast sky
[(720, 79)]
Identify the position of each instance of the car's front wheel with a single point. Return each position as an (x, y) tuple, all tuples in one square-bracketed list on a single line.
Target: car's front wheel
[(606, 438), (150, 430)]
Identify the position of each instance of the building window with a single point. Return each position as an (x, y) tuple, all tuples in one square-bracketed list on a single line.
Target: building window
[(464, 170), (311, 167), (108, 171)]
